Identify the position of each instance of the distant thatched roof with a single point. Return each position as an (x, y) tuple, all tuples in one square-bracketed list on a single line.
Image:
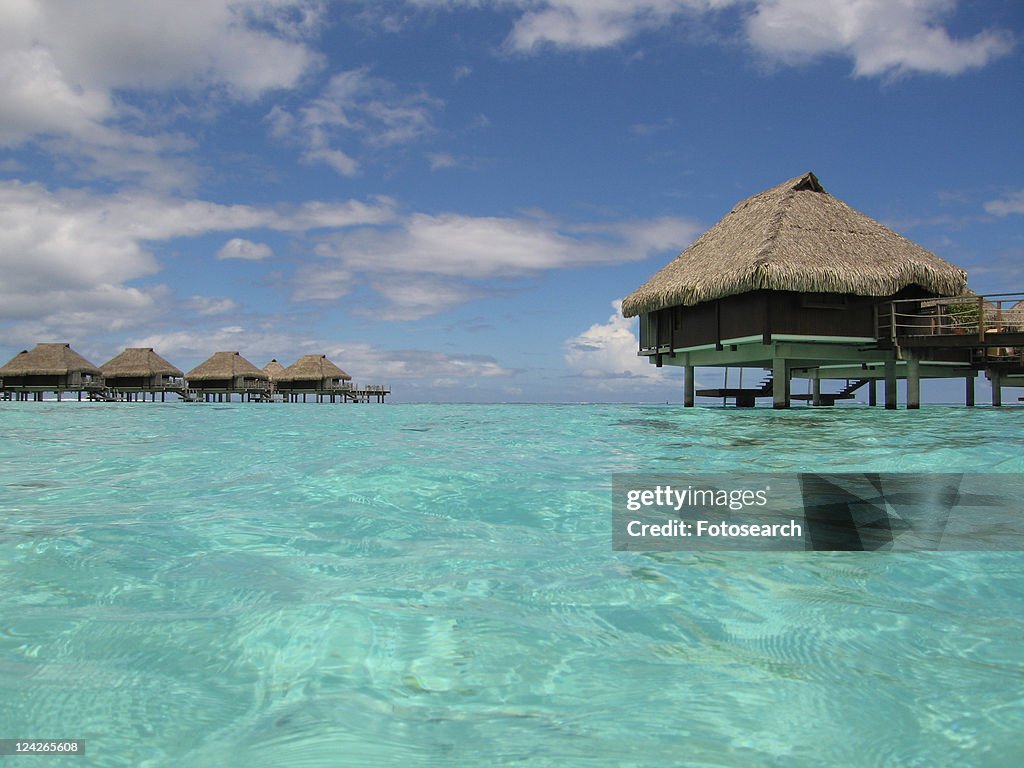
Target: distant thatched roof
[(48, 360), (1014, 316), (225, 365), (139, 362), (795, 237), (312, 367), (273, 369)]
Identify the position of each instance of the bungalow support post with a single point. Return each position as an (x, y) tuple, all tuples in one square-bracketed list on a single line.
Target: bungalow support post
[(890, 385), (913, 383), (780, 385), (688, 386)]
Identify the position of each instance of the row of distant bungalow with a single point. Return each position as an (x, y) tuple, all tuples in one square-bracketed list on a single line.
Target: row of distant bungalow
[(138, 372)]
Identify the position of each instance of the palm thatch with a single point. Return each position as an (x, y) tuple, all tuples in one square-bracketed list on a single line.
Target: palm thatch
[(313, 368), (1014, 317), (138, 362), (225, 365), (48, 360), (273, 369), (795, 237)]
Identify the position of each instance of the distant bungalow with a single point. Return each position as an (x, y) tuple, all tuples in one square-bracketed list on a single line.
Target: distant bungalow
[(312, 374), (225, 373), (796, 282), (141, 370), (138, 371), (49, 368), (273, 369)]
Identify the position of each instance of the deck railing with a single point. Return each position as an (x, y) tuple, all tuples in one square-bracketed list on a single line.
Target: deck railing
[(969, 315)]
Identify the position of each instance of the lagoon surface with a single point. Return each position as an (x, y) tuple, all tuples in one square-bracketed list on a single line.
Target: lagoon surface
[(434, 585)]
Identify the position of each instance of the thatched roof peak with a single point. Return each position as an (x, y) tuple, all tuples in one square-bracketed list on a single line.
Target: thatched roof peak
[(48, 359), (795, 237), (225, 365), (312, 367), (140, 362), (273, 369)]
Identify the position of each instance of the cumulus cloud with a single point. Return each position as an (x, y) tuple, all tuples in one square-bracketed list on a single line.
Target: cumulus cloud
[(71, 250), (607, 352), (882, 37), (61, 65), (239, 248), (1012, 203)]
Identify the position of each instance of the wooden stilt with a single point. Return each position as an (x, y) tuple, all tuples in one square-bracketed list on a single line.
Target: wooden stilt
[(688, 386), (969, 394), (997, 387), (890, 385), (780, 383), (913, 383)]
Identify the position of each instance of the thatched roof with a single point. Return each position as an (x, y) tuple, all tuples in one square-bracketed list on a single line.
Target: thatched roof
[(273, 369), (1014, 316), (139, 362), (48, 360), (795, 237), (225, 365), (311, 368)]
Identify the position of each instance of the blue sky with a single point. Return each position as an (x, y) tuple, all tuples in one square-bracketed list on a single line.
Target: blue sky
[(449, 196)]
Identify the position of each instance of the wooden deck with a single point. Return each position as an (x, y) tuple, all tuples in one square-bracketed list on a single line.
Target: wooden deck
[(911, 339)]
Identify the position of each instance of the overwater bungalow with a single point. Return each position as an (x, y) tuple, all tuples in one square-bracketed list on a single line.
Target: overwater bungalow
[(273, 369), (141, 371), (795, 282), (224, 374), (48, 367), (316, 375)]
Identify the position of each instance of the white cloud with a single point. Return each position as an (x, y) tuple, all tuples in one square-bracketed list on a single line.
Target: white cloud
[(323, 283), (344, 164), (61, 64), (435, 262), (881, 36), (413, 297), (1012, 203), (212, 305), (355, 107), (68, 251), (239, 248), (439, 160), (481, 247), (595, 23), (607, 353)]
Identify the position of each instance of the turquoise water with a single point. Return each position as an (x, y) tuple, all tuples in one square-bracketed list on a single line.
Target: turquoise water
[(420, 585)]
